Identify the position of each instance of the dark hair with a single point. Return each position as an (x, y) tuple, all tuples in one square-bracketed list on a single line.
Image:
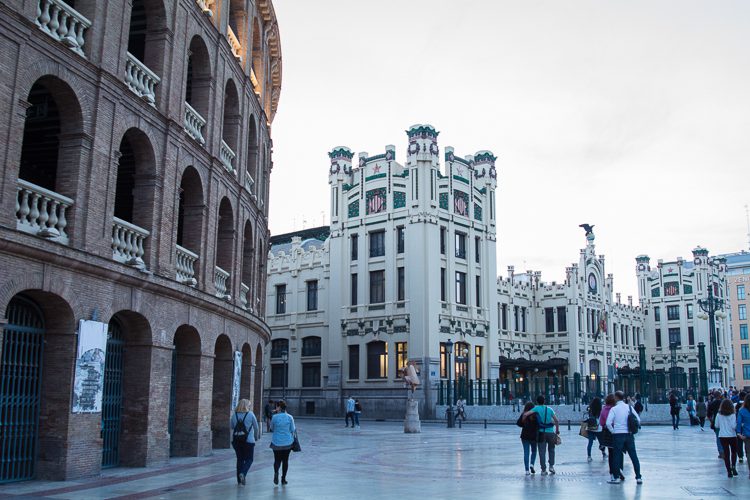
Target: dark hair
[(595, 407), (540, 399), (610, 399), (619, 395), (281, 405), (528, 406), (726, 408), (747, 402)]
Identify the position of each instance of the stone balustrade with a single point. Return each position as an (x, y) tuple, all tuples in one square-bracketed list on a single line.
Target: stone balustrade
[(244, 290), (206, 6), (226, 155), (221, 279), (249, 181), (63, 23), (42, 212), (127, 243), (141, 80), (234, 44), (185, 266), (194, 124)]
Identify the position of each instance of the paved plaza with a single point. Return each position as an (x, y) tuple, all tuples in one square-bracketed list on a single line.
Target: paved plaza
[(379, 461)]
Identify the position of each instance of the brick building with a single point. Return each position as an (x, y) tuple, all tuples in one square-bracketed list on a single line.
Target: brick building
[(136, 156)]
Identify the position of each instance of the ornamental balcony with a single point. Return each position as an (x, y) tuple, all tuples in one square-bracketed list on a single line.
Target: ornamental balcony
[(63, 23), (234, 44), (194, 124), (42, 212), (206, 6), (221, 278), (127, 243), (185, 268), (141, 80), (226, 155)]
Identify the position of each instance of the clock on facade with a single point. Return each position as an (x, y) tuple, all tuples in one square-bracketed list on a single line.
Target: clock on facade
[(592, 283)]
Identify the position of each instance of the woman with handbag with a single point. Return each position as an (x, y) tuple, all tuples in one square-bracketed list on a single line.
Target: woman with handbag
[(284, 432), (593, 427), (605, 438)]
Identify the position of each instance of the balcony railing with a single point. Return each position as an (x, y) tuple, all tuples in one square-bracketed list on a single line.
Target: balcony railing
[(221, 278), (194, 124), (42, 212), (226, 155), (127, 243), (234, 43), (206, 6), (63, 23), (141, 80), (244, 290), (185, 266), (249, 181)]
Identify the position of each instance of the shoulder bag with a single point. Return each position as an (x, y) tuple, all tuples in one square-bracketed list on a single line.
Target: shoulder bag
[(295, 443)]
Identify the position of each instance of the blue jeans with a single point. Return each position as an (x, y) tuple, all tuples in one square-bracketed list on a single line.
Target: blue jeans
[(676, 420), (625, 442), (244, 454), (528, 445), (356, 418), (593, 436)]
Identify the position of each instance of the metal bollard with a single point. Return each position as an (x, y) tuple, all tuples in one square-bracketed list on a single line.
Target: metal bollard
[(568, 424)]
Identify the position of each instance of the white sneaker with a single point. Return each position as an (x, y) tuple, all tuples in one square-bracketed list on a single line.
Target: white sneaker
[(639, 480), (614, 480), (528, 473)]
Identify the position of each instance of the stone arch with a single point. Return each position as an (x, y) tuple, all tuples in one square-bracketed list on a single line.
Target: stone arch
[(221, 399), (248, 262), (257, 64), (225, 237), (251, 166), (191, 212), (198, 77), (184, 406), (146, 33), (231, 117), (246, 375), (258, 385)]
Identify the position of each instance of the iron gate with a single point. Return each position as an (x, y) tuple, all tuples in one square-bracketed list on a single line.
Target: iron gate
[(20, 384), (112, 396)]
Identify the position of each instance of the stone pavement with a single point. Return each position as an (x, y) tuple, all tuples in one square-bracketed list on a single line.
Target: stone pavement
[(379, 461)]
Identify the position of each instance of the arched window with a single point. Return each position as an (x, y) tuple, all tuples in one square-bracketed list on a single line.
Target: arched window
[(197, 89), (146, 41), (377, 360), (251, 166), (311, 346), (247, 293), (190, 212), (230, 127), (224, 246)]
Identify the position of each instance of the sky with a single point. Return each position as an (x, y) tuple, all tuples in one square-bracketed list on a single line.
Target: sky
[(630, 115)]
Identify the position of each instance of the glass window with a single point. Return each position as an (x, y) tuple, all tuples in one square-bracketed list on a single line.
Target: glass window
[(312, 295), (516, 322), (402, 355), (562, 319), (400, 239), (549, 319), (746, 372), (354, 286), (740, 292), (478, 291), (460, 245), (377, 360), (477, 240), (310, 374), (742, 312), (278, 375), (658, 337), (673, 312), (743, 332), (504, 316), (691, 336), (442, 240), (353, 362), (377, 243), (401, 284), (442, 284), (478, 362), (674, 336), (460, 287), (443, 361), (355, 246), (689, 311), (657, 313), (523, 319), (311, 346), (377, 287), (279, 347), (745, 350), (280, 299)]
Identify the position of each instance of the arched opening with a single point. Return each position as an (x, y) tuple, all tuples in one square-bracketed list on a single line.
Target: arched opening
[(230, 126), (125, 398), (147, 37), (246, 375), (221, 406), (238, 19), (50, 157), (258, 387), (260, 282), (224, 246), (197, 89), (256, 69), (251, 168), (190, 212), (38, 351), (134, 198), (247, 292), (184, 401)]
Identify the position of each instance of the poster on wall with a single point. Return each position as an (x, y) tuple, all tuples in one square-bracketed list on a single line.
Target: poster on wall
[(237, 379), (89, 376)]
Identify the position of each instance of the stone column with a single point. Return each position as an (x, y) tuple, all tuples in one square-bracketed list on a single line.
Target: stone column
[(412, 425)]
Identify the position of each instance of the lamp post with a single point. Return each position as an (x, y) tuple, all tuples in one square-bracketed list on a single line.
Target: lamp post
[(448, 352), (712, 307), (284, 358)]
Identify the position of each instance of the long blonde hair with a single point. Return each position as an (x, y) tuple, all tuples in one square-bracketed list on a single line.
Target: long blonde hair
[(243, 406)]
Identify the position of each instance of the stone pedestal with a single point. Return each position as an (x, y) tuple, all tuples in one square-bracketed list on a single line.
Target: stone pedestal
[(412, 425)]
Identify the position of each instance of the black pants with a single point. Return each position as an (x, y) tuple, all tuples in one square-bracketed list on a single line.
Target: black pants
[(281, 457), (244, 452)]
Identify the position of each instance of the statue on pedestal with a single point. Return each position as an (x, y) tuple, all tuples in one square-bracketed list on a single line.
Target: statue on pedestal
[(411, 382)]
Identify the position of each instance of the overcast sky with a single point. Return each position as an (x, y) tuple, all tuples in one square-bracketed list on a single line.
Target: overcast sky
[(630, 115)]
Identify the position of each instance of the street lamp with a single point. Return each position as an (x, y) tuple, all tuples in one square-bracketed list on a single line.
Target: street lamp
[(712, 307), (448, 352), (284, 358)]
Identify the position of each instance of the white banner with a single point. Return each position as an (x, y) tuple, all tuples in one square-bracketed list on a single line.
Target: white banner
[(237, 380), (89, 377)]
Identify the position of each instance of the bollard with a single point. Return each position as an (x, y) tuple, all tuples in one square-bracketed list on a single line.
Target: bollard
[(568, 424), (485, 423)]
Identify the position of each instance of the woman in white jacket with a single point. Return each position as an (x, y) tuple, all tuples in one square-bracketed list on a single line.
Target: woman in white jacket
[(726, 422)]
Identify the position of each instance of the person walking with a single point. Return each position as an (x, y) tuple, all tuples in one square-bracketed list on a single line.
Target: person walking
[(461, 409), (529, 434), (711, 412), (268, 413), (245, 432), (743, 428), (690, 409), (622, 436), (349, 411), (282, 426), (726, 423), (737, 407), (700, 411), (549, 429), (674, 410), (357, 412), (593, 412), (605, 438)]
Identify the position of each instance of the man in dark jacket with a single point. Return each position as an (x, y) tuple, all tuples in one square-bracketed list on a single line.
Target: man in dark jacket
[(713, 410)]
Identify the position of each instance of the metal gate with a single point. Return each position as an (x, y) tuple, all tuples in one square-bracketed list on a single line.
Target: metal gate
[(172, 402), (20, 384), (112, 396)]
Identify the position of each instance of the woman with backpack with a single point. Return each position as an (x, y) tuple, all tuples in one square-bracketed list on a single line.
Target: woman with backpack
[(529, 431), (594, 428), (245, 431)]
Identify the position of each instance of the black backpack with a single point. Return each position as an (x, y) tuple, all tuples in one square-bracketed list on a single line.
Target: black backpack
[(633, 424), (240, 433)]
